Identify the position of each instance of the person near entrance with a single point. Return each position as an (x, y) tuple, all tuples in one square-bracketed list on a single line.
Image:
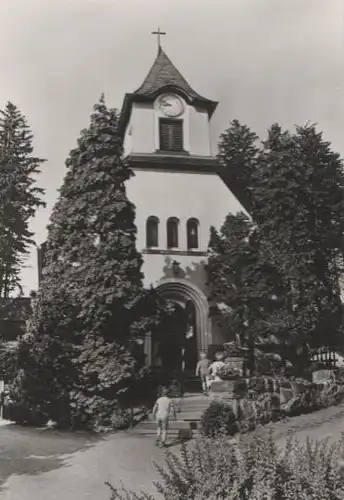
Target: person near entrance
[(214, 368), (162, 410), (202, 371)]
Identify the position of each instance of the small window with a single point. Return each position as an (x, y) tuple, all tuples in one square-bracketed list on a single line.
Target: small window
[(152, 230), (172, 232), (192, 234), (171, 134)]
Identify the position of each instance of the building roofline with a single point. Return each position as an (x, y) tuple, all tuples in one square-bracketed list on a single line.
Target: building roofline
[(163, 76)]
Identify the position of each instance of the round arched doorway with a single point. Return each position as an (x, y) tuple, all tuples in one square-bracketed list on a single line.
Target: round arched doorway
[(185, 332)]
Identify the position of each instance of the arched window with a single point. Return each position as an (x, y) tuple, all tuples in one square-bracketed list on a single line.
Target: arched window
[(172, 232), (152, 232), (192, 233)]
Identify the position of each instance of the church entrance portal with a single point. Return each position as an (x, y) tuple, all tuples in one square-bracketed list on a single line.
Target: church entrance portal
[(184, 332), (174, 345)]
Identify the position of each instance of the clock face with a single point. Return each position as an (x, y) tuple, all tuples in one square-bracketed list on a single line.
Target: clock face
[(171, 105)]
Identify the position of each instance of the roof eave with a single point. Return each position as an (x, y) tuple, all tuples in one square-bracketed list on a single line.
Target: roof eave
[(130, 98)]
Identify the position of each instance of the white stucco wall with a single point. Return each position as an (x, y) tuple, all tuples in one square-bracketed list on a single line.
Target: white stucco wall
[(166, 194), (199, 132), (184, 195), (142, 131)]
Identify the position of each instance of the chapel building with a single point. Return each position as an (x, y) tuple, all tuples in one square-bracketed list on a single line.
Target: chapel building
[(179, 194)]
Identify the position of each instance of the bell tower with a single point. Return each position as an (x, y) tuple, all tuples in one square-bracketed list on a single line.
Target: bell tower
[(177, 189), (176, 117)]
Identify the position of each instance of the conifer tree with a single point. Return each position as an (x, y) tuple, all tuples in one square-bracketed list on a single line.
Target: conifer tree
[(299, 208), (93, 263), (239, 278), (19, 196), (237, 155), (292, 280)]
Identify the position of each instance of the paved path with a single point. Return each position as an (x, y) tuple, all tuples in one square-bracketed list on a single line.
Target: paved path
[(63, 466), (50, 465), (322, 424)]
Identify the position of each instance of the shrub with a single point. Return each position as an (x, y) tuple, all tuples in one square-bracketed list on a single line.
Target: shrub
[(99, 414), (121, 419), (22, 413), (218, 418), (247, 469), (91, 412), (8, 361), (20, 409)]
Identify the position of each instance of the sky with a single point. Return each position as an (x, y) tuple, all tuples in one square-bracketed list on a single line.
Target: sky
[(265, 61)]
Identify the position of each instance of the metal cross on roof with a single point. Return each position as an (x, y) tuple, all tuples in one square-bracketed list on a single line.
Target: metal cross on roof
[(159, 33)]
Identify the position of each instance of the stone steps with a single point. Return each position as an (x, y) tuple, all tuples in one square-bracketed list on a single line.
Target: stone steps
[(177, 429), (187, 416), (189, 410)]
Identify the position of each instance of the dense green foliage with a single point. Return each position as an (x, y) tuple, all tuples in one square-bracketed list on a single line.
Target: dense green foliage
[(19, 196), (249, 468), (278, 276), (238, 155), (83, 349), (219, 418), (242, 280), (46, 358), (299, 209)]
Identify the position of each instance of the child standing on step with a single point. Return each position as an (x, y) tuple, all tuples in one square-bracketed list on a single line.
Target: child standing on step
[(202, 371), (162, 410)]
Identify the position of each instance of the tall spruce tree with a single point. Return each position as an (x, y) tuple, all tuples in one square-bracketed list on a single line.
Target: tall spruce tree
[(93, 263), (19, 196), (299, 208), (292, 274), (237, 155), (243, 281)]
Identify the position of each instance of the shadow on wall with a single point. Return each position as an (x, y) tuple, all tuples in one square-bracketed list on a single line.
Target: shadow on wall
[(196, 274)]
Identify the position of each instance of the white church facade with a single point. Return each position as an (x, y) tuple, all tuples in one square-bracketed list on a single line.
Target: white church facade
[(177, 191)]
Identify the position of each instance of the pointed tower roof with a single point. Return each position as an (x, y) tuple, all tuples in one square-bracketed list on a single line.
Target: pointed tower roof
[(163, 75)]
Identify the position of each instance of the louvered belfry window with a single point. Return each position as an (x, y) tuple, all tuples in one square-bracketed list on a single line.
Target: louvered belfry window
[(171, 135)]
